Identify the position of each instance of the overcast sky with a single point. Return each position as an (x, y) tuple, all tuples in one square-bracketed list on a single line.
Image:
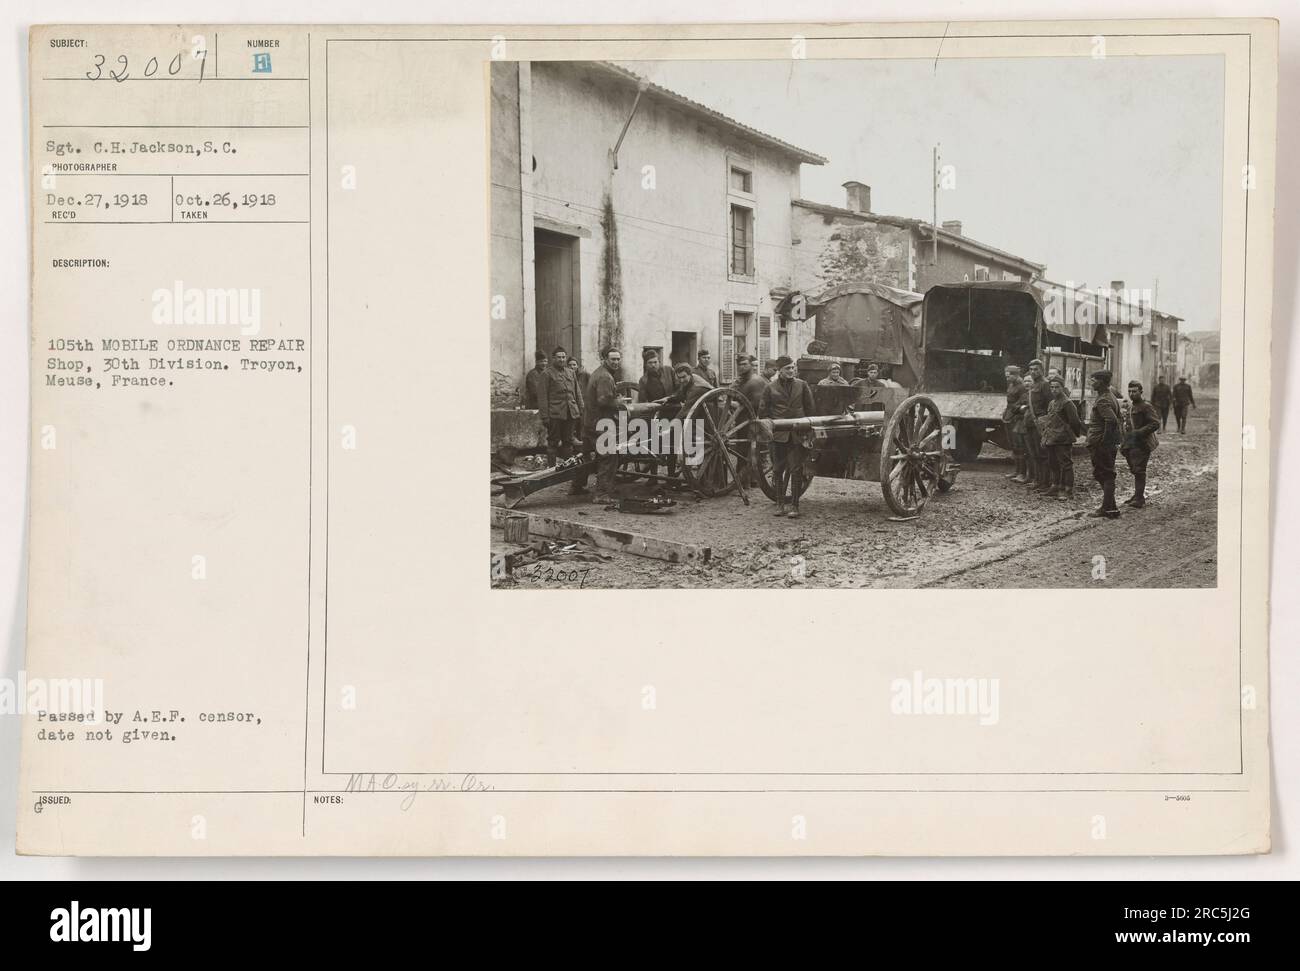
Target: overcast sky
[(1102, 169)]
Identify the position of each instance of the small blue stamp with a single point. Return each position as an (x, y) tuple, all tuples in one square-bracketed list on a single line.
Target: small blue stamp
[(261, 63)]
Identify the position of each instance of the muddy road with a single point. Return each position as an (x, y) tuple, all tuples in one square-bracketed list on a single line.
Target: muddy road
[(986, 532)]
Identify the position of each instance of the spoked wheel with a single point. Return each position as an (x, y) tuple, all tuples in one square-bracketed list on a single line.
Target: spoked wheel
[(911, 455), (763, 472), (631, 390), (726, 423)]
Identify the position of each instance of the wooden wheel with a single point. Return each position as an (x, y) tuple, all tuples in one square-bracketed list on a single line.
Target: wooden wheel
[(631, 390), (911, 455), (762, 472), (726, 424)]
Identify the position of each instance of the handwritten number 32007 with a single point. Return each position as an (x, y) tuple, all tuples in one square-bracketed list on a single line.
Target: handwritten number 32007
[(150, 69)]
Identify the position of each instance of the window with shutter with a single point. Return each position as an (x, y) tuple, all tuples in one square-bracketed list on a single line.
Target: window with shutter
[(726, 347), (742, 241), (764, 340)]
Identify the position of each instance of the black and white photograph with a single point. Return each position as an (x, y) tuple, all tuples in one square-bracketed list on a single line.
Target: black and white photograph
[(887, 423), (856, 323)]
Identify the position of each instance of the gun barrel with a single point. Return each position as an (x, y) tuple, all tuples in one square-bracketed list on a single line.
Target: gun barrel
[(828, 421)]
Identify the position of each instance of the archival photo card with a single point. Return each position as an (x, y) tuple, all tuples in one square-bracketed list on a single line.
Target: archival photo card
[(877, 429)]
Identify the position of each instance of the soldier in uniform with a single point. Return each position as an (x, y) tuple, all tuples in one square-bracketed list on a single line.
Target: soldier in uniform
[(1162, 397), (787, 397), (868, 373), (1011, 418), (833, 378), (703, 370), (535, 384), (579, 375), (601, 404), (1103, 440), (580, 379), (1027, 426), (562, 412), (1182, 398), (689, 387), (1060, 428), (1139, 442), (656, 382), (1040, 396), (748, 382)]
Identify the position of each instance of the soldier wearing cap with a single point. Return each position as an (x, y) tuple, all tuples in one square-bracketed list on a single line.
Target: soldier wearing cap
[(703, 370), (601, 405), (787, 396), (1183, 397), (1011, 418), (1139, 442), (834, 378), (1026, 424), (535, 383), (655, 383), (1162, 396), (1040, 397), (1104, 439), (867, 373), (580, 378), (1061, 427)]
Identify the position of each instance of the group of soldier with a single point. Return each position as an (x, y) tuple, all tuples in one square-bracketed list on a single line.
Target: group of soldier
[(1043, 423), (1042, 420), (570, 402), (573, 402), (1180, 396)]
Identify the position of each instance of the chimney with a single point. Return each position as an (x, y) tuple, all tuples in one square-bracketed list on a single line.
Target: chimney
[(1116, 286), (952, 226), (857, 197)]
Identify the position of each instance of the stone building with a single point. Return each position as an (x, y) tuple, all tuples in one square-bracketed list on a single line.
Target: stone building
[(679, 241), (838, 244)]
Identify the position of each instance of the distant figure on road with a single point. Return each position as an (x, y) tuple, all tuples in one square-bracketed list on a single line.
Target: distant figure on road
[(1182, 398), (1139, 442), (1162, 396)]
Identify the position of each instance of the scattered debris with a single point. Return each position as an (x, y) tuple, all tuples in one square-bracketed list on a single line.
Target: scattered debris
[(651, 505), (547, 549)]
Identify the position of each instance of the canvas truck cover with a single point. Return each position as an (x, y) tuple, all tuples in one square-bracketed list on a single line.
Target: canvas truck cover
[(869, 322), (996, 315)]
